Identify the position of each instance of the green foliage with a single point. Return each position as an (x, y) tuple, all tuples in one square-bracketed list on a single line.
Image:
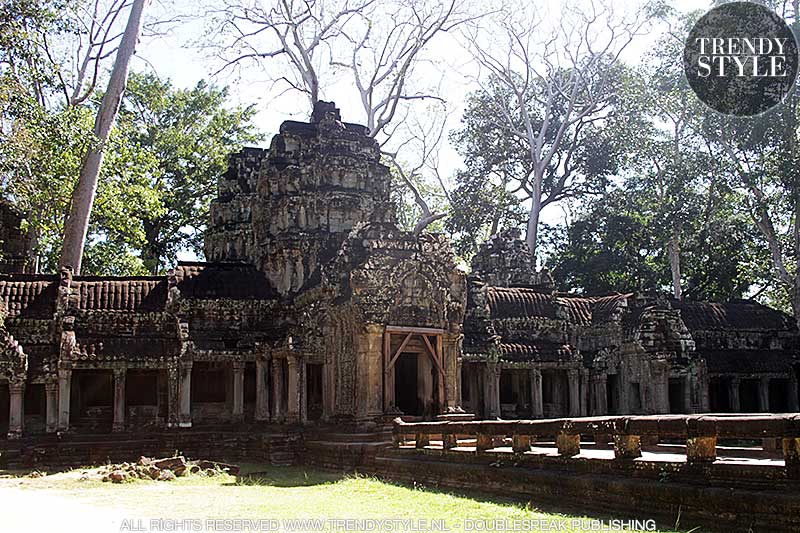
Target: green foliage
[(188, 134), (161, 166)]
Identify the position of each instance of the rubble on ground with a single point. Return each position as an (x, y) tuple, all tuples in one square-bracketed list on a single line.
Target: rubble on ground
[(165, 469)]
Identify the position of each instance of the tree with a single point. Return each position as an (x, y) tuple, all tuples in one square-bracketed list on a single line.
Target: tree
[(188, 134), (760, 158), (77, 224), (553, 86), (616, 243), (378, 47)]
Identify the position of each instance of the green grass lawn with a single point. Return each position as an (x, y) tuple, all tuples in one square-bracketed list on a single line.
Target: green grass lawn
[(286, 493)]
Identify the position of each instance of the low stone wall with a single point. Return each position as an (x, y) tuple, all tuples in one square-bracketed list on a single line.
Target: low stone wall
[(280, 446), (690, 502)]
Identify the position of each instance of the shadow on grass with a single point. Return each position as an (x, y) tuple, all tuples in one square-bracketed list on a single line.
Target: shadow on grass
[(291, 476)]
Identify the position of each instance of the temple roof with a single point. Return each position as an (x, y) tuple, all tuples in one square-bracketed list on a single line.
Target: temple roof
[(524, 302), (28, 296), (132, 294), (235, 281), (538, 350), (736, 315)]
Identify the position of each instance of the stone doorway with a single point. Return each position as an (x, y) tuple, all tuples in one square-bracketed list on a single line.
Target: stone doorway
[(4, 409), (314, 391), (613, 394), (405, 384), (414, 376), (92, 400)]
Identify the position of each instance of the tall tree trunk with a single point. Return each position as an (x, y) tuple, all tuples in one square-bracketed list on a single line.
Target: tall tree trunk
[(532, 236), (77, 224), (675, 264)]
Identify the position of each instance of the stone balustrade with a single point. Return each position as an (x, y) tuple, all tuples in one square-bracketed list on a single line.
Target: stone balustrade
[(700, 433)]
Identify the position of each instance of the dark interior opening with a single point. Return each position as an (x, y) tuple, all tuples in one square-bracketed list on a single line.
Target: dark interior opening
[(677, 398), (208, 382), (4, 407), (141, 387), (405, 384), (612, 394), (314, 391), (249, 392), (35, 401), (506, 387), (779, 395), (718, 397), (97, 388), (748, 396)]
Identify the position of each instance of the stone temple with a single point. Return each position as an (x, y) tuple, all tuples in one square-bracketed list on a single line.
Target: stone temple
[(314, 308)]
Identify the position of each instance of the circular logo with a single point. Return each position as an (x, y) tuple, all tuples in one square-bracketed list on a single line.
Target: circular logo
[(741, 59)]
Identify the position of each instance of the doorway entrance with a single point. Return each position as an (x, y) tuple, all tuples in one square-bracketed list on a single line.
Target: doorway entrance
[(405, 384), (414, 376)]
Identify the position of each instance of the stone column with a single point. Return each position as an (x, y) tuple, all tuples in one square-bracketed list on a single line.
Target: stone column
[(303, 392), (237, 409), (763, 395), (64, 387), (688, 383), (293, 387), (599, 398), (537, 401), (459, 370), (173, 399), (16, 413), (733, 394), (277, 390), (119, 400), (660, 374), (329, 387), (584, 392), (794, 401), (51, 409), (369, 373), (491, 390), (574, 395), (262, 392), (185, 394), (623, 393)]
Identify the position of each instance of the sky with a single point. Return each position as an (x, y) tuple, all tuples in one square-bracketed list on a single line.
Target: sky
[(180, 56)]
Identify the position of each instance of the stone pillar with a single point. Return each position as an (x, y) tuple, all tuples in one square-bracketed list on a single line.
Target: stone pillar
[(369, 373), (237, 409), (173, 399), (51, 409), (623, 393), (262, 392), (599, 397), (574, 395), (763, 395), (64, 387), (303, 384), (329, 387), (293, 387), (584, 392), (491, 390), (459, 370), (687, 393), (185, 394), (277, 390), (537, 400), (703, 388), (16, 413), (119, 400), (660, 374), (794, 401), (733, 394)]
